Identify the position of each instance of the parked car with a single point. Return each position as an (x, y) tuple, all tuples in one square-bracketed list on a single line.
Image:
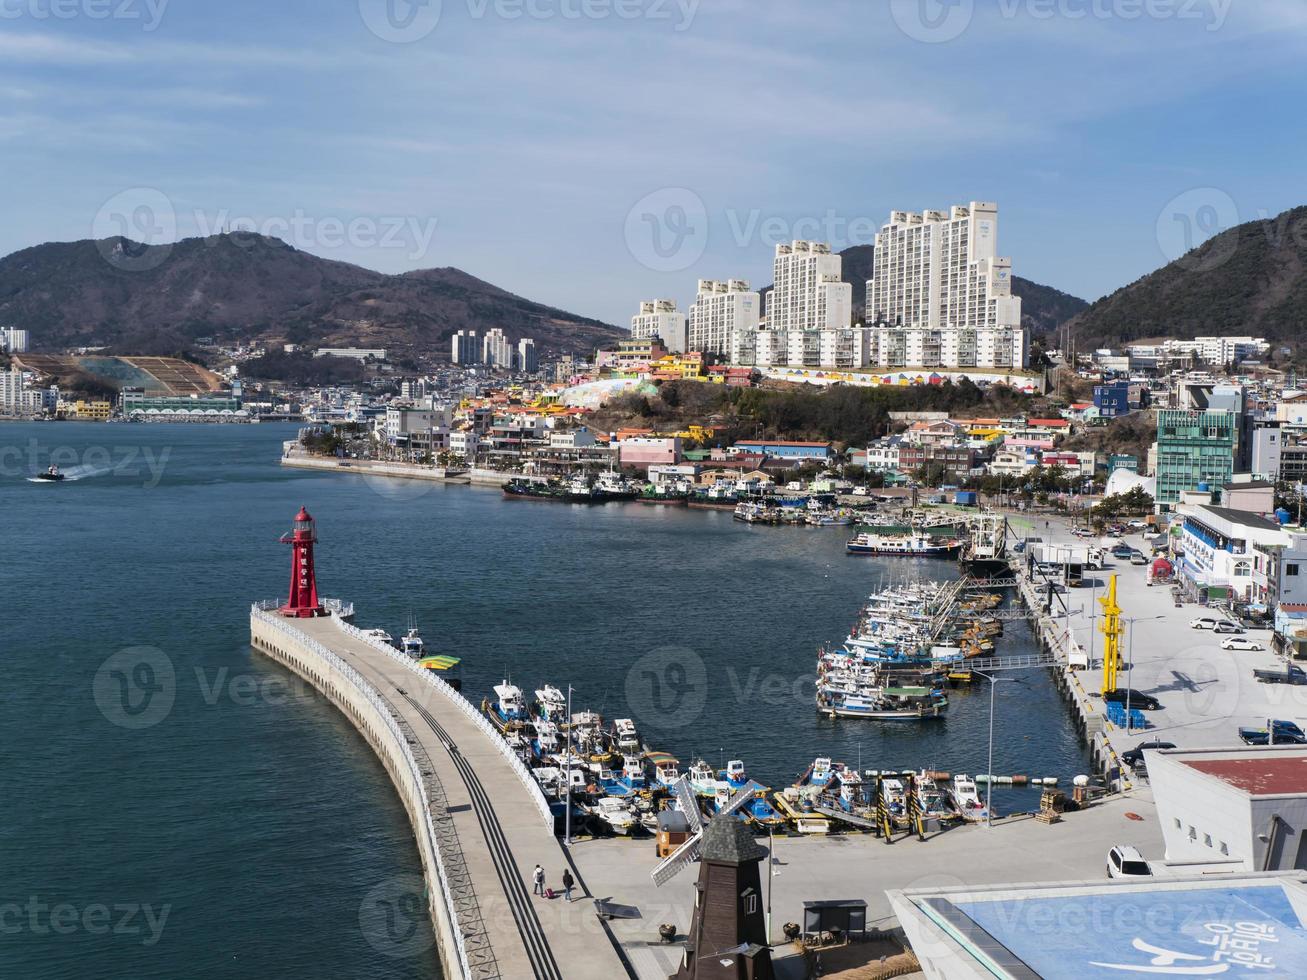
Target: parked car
[(1124, 861), (1225, 626), (1203, 623), (1138, 558), (1134, 758), (1136, 699), (1137, 526), (1286, 733), (1240, 643), (1122, 551)]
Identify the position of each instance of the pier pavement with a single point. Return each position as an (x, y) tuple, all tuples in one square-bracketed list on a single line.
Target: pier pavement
[(859, 866), (501, 833), (1206, 693)]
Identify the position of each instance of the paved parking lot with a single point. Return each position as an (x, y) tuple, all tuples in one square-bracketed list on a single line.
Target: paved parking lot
[(1207, 693)]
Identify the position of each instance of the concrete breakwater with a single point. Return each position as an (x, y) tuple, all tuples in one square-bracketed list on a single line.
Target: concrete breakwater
[(374, 719), (1052, 635)]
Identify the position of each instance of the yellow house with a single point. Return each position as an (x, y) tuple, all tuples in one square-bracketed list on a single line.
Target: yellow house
[(92, 411)]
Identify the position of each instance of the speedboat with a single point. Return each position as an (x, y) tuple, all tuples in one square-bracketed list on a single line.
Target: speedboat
[(52, 475), (380, 634)]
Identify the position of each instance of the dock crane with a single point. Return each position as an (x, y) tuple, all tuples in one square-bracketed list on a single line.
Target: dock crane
[(1112, 632)]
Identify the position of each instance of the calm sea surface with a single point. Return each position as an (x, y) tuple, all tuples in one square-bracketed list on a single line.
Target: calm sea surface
[(234, 825)]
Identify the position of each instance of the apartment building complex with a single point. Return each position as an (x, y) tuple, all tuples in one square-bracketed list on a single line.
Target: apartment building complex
[(660, 318), (941, 296), (719, 309)]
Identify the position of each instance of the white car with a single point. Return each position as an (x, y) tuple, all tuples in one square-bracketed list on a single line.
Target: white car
[(1240, 643), (1124, 861), (1204, 623)]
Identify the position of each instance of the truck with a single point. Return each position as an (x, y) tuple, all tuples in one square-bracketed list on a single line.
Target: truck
[(1290, 674), (1072, 559)]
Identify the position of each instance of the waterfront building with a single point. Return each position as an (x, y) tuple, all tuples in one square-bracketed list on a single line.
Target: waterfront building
[(819, 452), (941, 296), (465, 348), (16, 397), (497, 350), (1218, 545), (646, 451), (807, 292), (1245, 805), (1192, 448), (528, 360), (13, 340), (134, 401), (719, 309), (659, 318), (94, 410)]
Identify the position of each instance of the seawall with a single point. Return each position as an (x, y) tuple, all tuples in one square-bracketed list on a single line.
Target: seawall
[(370, 714)]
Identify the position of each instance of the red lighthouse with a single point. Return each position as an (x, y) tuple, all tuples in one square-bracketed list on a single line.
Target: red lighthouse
[(303, 600)]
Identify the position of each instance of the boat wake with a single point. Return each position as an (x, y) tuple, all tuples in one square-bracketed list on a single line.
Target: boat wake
[(74, 473)]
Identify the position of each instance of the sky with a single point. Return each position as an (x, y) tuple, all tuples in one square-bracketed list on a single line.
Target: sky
[(590, 154)]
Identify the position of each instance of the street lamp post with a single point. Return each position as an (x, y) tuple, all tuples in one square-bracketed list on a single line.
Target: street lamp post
[(994, 681), (567, 797), (1130, 670)]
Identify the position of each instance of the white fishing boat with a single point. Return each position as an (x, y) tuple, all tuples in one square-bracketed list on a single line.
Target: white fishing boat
[(380, 634), (508, 709), (411, 644), (911, 545), (625, 735), (551, 703), (967, 800), (617, 815)]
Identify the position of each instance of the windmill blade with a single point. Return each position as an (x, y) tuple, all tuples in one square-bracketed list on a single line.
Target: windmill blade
[(689, 804), (743, 796), (687, 853)]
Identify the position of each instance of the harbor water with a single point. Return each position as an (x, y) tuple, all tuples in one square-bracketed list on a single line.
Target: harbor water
[(213, 786)]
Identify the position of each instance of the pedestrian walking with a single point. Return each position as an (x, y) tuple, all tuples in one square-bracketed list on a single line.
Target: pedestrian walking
[(568, 882), (538, 876)]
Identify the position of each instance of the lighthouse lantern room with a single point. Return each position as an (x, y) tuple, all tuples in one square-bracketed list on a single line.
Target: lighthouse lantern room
[(302, 602)]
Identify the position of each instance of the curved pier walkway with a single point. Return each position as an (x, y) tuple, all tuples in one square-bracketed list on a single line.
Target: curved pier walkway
[(498, 826)]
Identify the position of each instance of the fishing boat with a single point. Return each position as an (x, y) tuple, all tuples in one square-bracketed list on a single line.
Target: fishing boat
[(411, 643), (547, 741), (616, 815), (626, 738), (985, 553), (612, 486), (967, 800), (912, 545), (702, 778), (932, 802), (666, 769), (550, 704), (592, 743), (507, 712), (884, 704), (380, 634), (733, 775), (533, 489)]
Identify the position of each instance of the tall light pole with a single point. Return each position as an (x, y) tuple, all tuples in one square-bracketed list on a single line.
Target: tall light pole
[(567, 797), (994, 681), (1130, 670)]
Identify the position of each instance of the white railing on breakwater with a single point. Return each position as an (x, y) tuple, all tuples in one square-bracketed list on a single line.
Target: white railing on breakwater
[(467, 708), (261, 613)]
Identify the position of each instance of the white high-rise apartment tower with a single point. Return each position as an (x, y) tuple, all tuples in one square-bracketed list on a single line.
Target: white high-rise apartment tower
[(940, 291), (496, 350), (719, 309), (807, 292), (660, 318), (465, 350)]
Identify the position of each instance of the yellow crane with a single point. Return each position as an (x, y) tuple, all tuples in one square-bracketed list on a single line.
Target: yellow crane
[(1112, 632)]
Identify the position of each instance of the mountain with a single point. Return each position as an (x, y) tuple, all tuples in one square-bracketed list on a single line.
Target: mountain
[(1043, 308), (1248, 280), (158, 299)]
